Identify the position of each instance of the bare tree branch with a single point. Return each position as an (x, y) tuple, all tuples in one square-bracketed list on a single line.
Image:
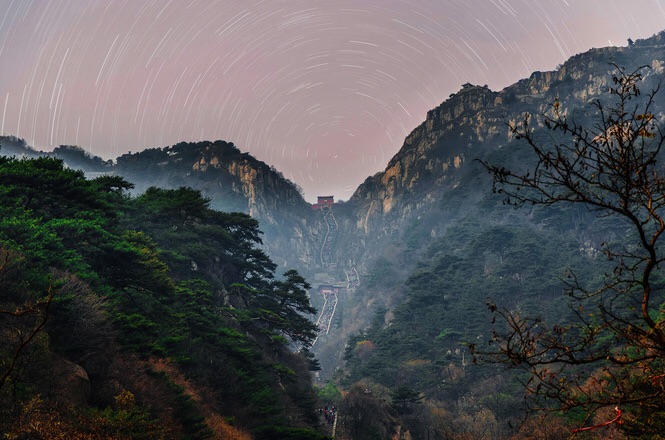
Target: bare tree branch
[(612, 167)]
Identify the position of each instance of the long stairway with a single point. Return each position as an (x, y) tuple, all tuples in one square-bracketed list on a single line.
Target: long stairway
[(329, 264), (328, 310), (327, 257)]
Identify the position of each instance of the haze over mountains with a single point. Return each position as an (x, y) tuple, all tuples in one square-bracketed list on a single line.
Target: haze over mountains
[(323, 90), (423, 175), (427, 240)]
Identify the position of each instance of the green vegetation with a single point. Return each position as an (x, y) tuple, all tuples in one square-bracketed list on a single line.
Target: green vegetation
[(421, 357), (611, 355), (530, 322), (116, 311)]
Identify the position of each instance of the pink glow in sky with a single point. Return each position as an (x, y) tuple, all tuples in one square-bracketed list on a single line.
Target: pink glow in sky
[(324, 90)]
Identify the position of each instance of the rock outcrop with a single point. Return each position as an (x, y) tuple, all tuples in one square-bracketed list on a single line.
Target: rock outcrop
[(474, 122), (234, 181), (433, 179)]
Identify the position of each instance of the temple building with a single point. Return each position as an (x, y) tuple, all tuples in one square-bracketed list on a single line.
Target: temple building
[(324, 203)]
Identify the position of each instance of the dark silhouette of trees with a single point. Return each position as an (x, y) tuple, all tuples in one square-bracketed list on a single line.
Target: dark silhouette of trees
[(105, 298), (21, 324), (613, 353), (404, 399)]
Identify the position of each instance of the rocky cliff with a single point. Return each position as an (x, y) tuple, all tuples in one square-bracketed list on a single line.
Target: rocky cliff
[(231, 179), (235, 181), (394, 215), (422, 178), (434, 181)]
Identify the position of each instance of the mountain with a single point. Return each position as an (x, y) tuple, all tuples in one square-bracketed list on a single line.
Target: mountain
[(232, 180), (435, 181), (439, 245), (235, 182), (402, 271), (438, 155)]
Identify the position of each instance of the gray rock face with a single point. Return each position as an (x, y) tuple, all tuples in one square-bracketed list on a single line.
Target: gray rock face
[(394, 214)]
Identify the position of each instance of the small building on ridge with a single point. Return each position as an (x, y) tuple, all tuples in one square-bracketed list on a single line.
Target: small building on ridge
[(324, 203)]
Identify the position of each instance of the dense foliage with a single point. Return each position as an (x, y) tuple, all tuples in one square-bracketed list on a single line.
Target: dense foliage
[(612, 354), (564, 293), (145, 317), (420, 359)]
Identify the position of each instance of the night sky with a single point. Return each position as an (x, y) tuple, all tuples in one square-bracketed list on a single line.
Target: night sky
[(324, 90)]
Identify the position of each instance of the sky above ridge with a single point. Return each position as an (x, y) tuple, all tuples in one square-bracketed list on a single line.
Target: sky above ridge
[(324, 90)]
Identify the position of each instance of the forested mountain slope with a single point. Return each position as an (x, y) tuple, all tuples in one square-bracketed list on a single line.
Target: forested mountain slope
[(431, 242), (444, 251), (232, 180), (152, 316)]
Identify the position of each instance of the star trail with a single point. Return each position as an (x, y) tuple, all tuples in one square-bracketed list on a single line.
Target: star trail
[(324, 90)]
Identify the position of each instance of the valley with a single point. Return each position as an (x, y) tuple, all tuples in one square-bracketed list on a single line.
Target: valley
[(420, 277)]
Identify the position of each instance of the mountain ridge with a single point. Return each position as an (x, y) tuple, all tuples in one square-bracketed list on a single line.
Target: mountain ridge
[(477, 117), (431, 183)]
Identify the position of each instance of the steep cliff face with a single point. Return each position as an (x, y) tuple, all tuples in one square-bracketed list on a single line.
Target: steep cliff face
[(234, 181), (291, 229), (263, 189), (434, 182), (439, 154), (431, 155)]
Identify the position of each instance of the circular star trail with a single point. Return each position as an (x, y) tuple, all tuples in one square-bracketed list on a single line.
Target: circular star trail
[(324, 90)]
